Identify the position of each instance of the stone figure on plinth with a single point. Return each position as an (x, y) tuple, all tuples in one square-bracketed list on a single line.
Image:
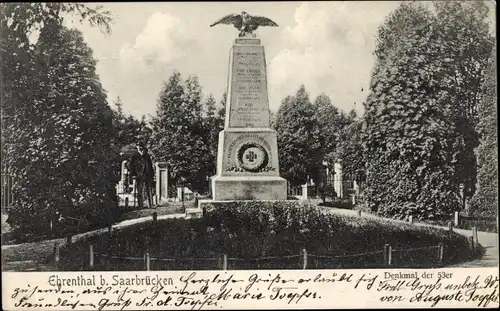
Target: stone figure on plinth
[(247, 157)]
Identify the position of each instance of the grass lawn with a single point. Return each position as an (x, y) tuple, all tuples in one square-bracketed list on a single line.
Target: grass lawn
[(274, 231)]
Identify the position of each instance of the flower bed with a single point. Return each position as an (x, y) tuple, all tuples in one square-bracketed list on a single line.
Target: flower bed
[(250, 232)]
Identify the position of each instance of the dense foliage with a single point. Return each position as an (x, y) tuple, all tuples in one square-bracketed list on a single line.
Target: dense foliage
[(419, 117), (298, 134), (184, 132), (130, 130), (57, 130), (250, 230), (349, 152), (485, 201), (465, 45)]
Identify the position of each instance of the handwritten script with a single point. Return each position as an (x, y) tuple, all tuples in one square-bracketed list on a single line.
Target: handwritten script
[(267, 289)]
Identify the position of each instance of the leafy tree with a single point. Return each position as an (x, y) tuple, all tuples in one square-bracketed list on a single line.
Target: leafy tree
[(332, 123), (56, 125), (328, 117), (350, 152), (408, 138), (209, 108), (485, 201), (178, 132), (67, 163), (145, 131), (352, 115), (130, 130), (333, 138), (298, 138), (272, 119), (466, 44), (420, 114), (119, 109), (212, 127), (221, 112), (18, 21)]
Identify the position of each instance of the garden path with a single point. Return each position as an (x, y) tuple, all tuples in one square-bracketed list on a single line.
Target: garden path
[(30, 253), (27, 256), (489, 240)]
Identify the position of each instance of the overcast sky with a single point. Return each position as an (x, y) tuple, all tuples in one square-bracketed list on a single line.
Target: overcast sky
[(327, 46)]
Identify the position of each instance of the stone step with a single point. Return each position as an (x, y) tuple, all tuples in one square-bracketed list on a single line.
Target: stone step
[(194, 212)]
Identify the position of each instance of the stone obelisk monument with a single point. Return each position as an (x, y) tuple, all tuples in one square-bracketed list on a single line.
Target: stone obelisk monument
[(247, 157)]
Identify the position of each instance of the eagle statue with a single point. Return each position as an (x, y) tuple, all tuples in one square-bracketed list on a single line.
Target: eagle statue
[(245, 22)]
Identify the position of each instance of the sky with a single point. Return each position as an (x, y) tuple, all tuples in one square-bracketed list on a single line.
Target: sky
[(327, 46)]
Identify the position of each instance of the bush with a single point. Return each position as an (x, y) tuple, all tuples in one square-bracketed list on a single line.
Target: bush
[(80, 220), (248, 230), (345, 203)]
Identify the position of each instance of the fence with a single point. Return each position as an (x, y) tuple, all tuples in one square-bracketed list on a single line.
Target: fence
[(434, 255), (294, 190), (385, 257), (458, 220)]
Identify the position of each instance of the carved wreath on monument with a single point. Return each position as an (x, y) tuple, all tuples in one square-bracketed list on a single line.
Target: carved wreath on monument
[(252, 157)]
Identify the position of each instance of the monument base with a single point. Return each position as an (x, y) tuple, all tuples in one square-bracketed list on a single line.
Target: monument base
[(226, 188)]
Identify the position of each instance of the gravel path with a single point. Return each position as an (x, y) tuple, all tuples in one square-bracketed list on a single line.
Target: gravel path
[(488, 240), (34, 254)]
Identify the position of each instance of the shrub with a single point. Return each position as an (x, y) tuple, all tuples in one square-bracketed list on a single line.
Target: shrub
[(249, 230)]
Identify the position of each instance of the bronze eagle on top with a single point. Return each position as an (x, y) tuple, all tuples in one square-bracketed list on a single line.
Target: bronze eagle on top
[(245, 22)]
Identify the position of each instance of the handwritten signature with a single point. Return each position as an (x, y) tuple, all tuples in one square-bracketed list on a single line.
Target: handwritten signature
[(196, 291)]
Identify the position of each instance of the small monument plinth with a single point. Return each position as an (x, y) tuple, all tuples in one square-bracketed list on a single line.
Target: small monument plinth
[(247, 157), (161, 183)]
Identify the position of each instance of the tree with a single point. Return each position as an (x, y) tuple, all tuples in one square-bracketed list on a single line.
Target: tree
[(298, 138), (212, 127), (485, 201), (130, 130), (17, 21), (409, 132), (145, 131), (455, 43), (67, 164), (352, 116), (350, 152), (178, 133), (221, 112), (328, 117), (272, 119), (119, 109), (466, 45), (332, 123), (56, 124)]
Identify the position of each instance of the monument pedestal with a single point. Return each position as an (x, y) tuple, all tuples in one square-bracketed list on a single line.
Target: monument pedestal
[(247, 157), (268, 188), (247, 166)]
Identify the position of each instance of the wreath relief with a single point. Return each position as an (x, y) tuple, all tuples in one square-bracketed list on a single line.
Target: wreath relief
[(252, 157)]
